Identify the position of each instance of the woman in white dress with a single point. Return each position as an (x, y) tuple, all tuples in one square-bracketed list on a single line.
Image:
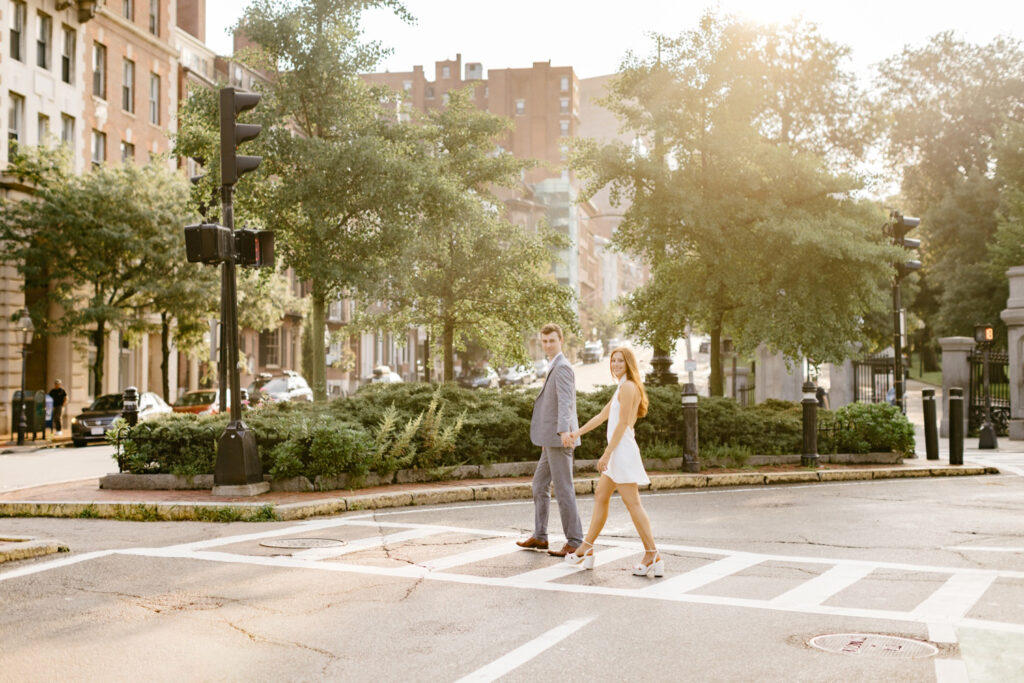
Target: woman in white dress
[(620, 466)]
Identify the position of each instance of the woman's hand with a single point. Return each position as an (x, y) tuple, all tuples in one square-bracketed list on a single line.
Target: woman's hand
[(602, 464)]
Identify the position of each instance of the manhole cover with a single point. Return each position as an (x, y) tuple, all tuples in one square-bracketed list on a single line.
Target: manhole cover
[(873, 645), (302, 543)]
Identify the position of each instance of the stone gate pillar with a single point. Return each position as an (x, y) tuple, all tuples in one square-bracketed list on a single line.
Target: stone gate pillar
[(1013, 316), (774, 379), (841, 379), (956, 372)]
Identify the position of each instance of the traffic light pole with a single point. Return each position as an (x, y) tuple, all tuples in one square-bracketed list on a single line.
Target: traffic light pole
[(897, 345)]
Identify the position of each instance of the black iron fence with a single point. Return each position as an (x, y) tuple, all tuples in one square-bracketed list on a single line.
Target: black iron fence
[(999, 388), (872, 378)]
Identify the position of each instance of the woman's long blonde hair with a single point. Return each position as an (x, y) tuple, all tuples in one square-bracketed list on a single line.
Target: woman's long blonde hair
[(633, 374)]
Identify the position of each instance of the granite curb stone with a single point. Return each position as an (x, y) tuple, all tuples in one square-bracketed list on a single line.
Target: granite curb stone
[(265, 511)]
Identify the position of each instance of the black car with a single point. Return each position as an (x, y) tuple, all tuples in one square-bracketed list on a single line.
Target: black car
[(92, 424), (592, 352)]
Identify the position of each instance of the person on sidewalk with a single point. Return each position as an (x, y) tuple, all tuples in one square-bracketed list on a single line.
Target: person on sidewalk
[(621, 466), (59, 397), (551, 427)]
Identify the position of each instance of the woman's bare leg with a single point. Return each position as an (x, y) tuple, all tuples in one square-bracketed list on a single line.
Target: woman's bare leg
[(631, 497), (602, 496)]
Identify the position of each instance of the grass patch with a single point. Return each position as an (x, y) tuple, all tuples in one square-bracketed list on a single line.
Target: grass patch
[(88, 512), (929, 377)]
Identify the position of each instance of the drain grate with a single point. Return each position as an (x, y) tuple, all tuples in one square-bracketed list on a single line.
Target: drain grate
[(873, 645), (302, 543)]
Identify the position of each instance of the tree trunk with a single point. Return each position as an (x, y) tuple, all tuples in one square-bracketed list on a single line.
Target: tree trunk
[(99, 341), (317, 315), (717, 380), (165, 355), (448, 343)]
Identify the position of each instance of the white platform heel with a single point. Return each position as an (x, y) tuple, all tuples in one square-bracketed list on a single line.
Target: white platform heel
[(586, 560), (657, 565)]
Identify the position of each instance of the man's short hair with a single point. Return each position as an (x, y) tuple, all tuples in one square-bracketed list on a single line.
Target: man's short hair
[(56, 381), (552, 327)]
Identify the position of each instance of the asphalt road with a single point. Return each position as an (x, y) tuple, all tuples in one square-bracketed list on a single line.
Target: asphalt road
[(442, 594), (55, 465)]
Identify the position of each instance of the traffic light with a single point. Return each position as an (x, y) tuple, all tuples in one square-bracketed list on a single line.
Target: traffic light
[(208, 243), (984, 334), (254, 247), (900, 225), (232, 134)]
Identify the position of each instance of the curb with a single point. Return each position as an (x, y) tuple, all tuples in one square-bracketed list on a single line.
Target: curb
[(271, 512), (23, 548)]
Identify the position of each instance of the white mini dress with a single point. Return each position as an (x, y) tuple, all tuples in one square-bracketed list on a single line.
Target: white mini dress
[(625, 466)]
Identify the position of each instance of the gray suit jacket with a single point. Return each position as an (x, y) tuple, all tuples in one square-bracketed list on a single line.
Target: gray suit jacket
[(554, 411)]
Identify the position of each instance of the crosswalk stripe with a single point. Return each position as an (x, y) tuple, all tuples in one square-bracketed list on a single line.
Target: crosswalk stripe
[(822, 587), (560, 570), (505, 547), (955, 597), (362, 544), (709, 573)]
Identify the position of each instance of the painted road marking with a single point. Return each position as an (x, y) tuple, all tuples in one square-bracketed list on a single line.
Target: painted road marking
[(702, 576), (561, 570), (957, 596), (525, 653), (951, 671), (363, 544), (492, 551), (819, 589)]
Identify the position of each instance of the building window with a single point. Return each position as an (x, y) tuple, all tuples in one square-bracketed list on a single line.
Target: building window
[(563, 105), (446, 72), (565, 84), (154, 99), (15, 123), (127, 152), (99, 71), (99, 147), (407, 86), (564, 128), (128, 9), (67, 55), (44, 37), (128, 87), (67, 129), (42, 129), (154, 17), (430, 92), (444, 98), (563, 152), (18, 31), (270, 348), (520, 107)]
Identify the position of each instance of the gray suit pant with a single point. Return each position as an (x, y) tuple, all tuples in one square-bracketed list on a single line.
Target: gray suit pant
[(555, 465)]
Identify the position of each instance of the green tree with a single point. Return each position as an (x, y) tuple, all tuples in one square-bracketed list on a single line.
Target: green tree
[(466, 273), (337, 176), (947, 105), (100, 245), (737, 199)]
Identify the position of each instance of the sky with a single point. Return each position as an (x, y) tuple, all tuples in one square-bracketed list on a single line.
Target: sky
[(592, 36)]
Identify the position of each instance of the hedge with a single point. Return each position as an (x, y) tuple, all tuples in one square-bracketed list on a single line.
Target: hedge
[(385, 427)]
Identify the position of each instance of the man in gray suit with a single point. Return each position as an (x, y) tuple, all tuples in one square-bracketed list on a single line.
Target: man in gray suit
[(554, 421)]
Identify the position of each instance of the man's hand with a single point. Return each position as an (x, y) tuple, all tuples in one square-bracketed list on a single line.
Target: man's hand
[(567, 439)]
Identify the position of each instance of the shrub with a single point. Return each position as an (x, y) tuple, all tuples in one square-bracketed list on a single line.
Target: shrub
[(873, 427)]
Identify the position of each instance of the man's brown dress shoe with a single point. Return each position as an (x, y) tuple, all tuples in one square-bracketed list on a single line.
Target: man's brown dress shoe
[(533, 544), (566, 549)]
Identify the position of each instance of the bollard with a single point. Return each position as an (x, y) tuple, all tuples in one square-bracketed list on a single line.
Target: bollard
[(130, 406), (691, 449), (810, 419), (931, 434), (956, 426)]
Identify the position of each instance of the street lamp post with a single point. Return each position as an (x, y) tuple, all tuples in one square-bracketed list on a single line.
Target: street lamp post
[(26, 329)]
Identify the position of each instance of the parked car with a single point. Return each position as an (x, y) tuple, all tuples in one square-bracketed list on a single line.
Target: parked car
[(382, 374), (92, 424), (612, 344), (540, 368), (197, 401), (478, 378), (592, 352), (214, 406), (288, 386), (517, 374)]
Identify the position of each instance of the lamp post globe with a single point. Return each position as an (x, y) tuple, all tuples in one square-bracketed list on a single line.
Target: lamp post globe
[(25, 330)]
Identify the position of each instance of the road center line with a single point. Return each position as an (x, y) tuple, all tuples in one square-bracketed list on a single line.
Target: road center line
[(54, 564), (525, 653)]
